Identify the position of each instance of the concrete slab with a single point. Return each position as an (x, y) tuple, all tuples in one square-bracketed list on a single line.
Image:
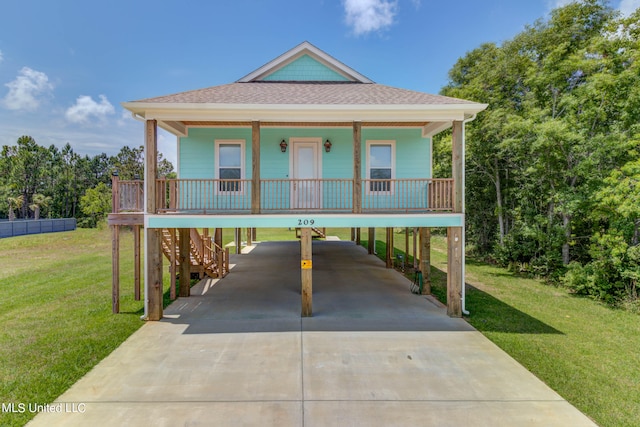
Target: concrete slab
[(237, 353)]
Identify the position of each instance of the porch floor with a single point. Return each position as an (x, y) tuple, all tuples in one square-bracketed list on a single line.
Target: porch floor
[(237, 352)]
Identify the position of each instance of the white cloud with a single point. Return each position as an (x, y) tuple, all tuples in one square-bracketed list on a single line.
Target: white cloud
[(27, 90), (85, 108), (627, 7), (1, 57), (365, 16)]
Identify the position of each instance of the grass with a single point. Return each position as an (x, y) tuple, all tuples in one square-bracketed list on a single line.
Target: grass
[(55, 310)]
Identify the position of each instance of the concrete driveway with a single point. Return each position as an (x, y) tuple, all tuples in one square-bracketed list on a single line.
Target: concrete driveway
[(238, 353)]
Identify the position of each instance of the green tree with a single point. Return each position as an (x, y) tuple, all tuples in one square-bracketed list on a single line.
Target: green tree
[(96, 203)]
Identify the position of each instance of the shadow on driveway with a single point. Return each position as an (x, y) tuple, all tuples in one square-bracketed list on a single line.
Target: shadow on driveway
[(352, 291)]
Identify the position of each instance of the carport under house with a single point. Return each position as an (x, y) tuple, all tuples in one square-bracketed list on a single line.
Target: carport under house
[(303, 142)]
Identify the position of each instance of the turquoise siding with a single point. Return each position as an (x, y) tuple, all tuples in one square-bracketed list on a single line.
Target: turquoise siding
[(305, 68), (197, 161)]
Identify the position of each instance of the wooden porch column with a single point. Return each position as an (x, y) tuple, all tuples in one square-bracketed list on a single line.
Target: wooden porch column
[(249, 236), (457, 166), (255, 167), (153, 254), (454, 271), (372, 240), (425, 259), (306, 271), (455, 235), (184, 259), (357, 167), (358, 236), (353, 234)]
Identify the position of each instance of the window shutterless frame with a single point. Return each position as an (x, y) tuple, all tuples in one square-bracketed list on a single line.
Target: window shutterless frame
[(381, 166), (229, 165)]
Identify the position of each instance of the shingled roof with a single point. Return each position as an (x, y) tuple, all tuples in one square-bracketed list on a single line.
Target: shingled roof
[(303, 85), (307, 93)]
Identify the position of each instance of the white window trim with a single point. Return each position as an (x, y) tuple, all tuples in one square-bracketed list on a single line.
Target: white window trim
[(240, 142), (392, 143)]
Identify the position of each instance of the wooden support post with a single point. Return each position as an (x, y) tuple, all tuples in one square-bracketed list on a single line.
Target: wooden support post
[(406, 245), (415, 248), (372, 241), (153, 238), (249, 235), (206, 245), (184, 259), (255, 167), (238, 238), (115, 269), (357, 167), (457, 165), (425, 259), (217, 237), (254, 235), (389, 256), (353, 234), (136, 262), (173, 263), (454, 271), (358, 236), (306, 271)]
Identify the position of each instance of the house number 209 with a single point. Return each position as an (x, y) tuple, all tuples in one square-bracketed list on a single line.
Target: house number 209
[(305, 222)]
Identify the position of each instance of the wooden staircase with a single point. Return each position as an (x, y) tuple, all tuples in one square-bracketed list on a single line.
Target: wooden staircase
[(205, 256)]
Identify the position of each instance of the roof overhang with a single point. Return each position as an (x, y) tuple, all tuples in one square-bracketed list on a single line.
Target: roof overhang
[(171, 117)]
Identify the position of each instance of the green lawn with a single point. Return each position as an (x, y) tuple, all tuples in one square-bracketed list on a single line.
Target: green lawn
[(55, 312)]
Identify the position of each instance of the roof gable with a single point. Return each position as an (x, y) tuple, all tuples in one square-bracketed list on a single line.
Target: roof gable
[(305, 69), (305, 63)]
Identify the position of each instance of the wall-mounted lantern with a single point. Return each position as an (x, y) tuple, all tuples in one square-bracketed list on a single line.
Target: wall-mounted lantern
[(327, 146), (283, 146)]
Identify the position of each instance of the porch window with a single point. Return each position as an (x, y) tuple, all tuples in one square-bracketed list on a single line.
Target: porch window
[(229, 165), (380, 166)]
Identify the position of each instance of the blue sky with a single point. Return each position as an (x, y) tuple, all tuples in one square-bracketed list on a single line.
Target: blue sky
[(66, 65)]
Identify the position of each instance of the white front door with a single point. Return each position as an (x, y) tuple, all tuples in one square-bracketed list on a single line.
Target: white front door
[(305, 174)]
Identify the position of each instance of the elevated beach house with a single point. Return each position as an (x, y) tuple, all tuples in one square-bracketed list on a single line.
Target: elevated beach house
[(303, 141)]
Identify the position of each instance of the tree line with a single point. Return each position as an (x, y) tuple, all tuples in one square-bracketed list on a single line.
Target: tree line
[(40, 182), (553, 164)]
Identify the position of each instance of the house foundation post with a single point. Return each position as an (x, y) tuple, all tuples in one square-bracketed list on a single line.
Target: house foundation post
[(153, 238), (136, 262), (115, 269), (454, 271), (372, 240), (389, 256), (173, 269), (306, 271), (425, 259), (184, 260)]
